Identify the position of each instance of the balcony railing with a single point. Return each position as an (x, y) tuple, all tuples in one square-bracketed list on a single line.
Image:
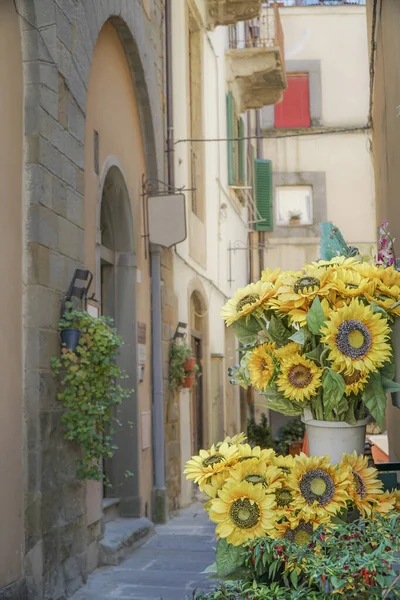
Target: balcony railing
[(256, 66), (286, 3), (229, 12)]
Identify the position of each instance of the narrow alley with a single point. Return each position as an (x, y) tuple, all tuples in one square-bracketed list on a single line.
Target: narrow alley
[(168, 567)]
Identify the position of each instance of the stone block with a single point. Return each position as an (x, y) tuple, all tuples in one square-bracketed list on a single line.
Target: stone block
[(51, 510), (95, 532), (32, 99), (50, 157), (72, 539), (48, 388), (75, 209), (173, 412), (54, 583), (81, 59), (38, 185), (73, 575), (49, 100), (74, 150), (49, 74), (42, 226), (91, 20), (33, 520), (68, 172), (59, 196), (58, 271), (49, 345), (15, 591), (39, 269), (32, 148), (76, 122), (71, 240), (63, 97), (45, 13), (121, 537), (43, 306), (48, 36), (80, 181), (33, 564), (64, 28), (173, 450), (92, 556), (77, 87), (74, 500)]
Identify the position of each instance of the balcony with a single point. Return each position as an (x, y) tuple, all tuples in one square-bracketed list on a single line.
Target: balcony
[(256, 67), (229, 12)]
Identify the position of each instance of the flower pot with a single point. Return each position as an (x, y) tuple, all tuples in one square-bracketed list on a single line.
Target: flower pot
[(295, 447), (70, 338), (294, 221), (190, 363), (333, 438), (189, 381)]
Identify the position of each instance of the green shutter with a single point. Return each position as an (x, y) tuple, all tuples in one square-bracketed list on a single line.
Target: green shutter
[(241, 159), (230, 134), (263, 194)]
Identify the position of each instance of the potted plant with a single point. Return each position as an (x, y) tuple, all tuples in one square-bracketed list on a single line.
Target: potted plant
[(295, 217), (69, 329), (182, 367), (318, 345), (297, 527)]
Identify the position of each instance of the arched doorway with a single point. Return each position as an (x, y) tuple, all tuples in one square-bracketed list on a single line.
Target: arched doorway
[(198, 342), (117, 268)]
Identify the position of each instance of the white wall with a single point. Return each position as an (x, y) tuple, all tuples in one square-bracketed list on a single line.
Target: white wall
[(337, 37)]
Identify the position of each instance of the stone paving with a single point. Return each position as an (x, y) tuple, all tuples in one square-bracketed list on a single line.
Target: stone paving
[(168, 567)]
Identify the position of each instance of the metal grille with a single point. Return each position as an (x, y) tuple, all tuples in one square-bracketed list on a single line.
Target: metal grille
[(283, 3)]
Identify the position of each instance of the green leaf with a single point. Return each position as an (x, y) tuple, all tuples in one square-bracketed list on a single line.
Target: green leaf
[(389, 369), (390, 386), (378, 309), (315, 317), (278, 332), (315, 354), (374, 398), (333, 386), (229, 557), (298, 337), (278, 402), (350, 416), (246, 333), (211, 569), (294, 578)]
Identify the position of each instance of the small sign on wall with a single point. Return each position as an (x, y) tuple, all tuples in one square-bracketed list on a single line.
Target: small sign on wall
[(141, 350), (146, 429)]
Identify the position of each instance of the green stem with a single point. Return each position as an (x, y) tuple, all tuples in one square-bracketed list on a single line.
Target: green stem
[(263, 326)]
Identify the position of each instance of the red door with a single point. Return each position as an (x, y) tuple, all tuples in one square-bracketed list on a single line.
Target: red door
[(294, 110)]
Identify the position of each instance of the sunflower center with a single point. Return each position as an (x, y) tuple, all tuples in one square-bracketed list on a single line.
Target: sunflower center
[(300, 376), (255, 478), (317, 486), (360, 485), (303, 284), (243, 458), (302, 537), (287, 470), (244, 514), (249, 299), (283, 498), (212, 460), (353, 339), (354, 378)]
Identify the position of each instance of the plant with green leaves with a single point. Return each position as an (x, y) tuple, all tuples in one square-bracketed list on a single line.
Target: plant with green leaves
[(178, 354), (289, 433), (90, 390), (319, 339), (259, 434)]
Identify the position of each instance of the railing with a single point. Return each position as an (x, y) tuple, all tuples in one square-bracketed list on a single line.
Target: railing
[(285, 3), (263, 32)]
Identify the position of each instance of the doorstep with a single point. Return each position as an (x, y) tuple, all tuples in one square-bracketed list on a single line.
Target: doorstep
[(122, 536)]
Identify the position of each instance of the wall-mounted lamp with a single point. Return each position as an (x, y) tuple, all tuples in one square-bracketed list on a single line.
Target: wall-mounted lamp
[(178, 331), (78, 292)]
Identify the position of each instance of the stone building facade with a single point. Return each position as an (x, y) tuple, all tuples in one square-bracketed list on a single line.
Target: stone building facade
[(82, 111)]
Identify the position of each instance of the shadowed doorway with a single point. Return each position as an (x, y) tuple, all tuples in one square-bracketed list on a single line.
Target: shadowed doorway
[(118, 300)]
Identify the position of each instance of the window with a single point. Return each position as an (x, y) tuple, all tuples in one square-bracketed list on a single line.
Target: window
[(294, 205), (294, 110), (263, 194)]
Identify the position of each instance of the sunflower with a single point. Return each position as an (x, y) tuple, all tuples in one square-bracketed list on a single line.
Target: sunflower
[(385, 297), (320, 488), (246, 452), (351, 284), (300, 378), (284, 463), (239, 438), (270, 276), (214, 483), (357, 338), (247, 301), (387, 503), (366, 488), (200, 468), (335, 263), (261, 366), (355, 382), (298, 290), (389, 276), (256, 471), (299, 531), (287, 351), (243, 511)]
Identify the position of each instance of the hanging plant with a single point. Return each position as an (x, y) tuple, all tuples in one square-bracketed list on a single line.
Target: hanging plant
[(89, 389), (182, 365)]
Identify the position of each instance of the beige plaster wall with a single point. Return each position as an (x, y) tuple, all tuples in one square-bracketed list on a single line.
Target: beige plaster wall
[(11, 468), (112, 112)]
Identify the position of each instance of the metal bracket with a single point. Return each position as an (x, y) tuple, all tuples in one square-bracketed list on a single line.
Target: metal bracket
[(78, 292), (180, 334)]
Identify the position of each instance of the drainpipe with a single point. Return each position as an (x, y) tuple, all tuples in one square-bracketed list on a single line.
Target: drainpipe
[(160, 500)]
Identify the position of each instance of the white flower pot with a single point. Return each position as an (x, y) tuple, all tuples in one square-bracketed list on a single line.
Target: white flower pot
[(334, 438)]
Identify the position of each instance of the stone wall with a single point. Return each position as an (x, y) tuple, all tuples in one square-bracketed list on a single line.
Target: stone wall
[(171, 399), (58, 37)]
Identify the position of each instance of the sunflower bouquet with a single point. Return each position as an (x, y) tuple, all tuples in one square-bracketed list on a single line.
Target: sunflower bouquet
[(257, 497), (319, 339)]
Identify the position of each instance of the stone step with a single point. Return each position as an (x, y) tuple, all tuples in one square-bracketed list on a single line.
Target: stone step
[(121, 537), (110, 509)]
